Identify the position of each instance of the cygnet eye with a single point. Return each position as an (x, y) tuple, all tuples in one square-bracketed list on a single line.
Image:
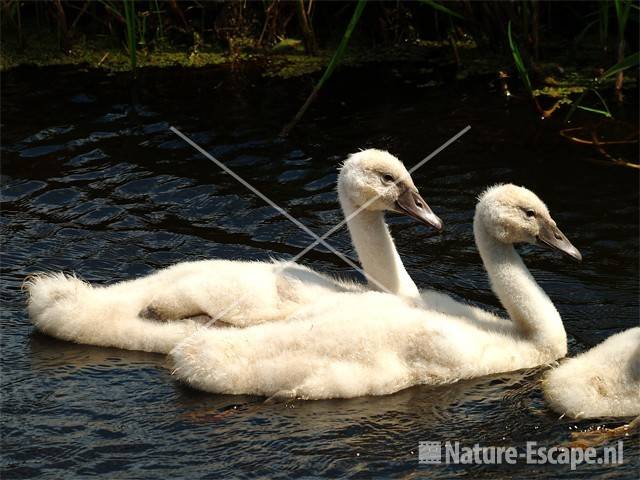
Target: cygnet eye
[(530, 213), (387, 177)]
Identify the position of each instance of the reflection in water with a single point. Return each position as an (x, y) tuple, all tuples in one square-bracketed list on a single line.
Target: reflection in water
[(104, 189), (49, 354)]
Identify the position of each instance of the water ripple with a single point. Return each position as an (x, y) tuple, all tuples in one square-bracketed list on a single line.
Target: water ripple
[(108, 192)]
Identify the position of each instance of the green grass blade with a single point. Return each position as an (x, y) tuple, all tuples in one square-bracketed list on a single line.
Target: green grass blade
[(595, 110), (574, 106), (111, 7), (577, 103), (631, 61), (337, 56), (622, 12), (517, 58), (331, 66), (160, 28), (618, 6), (603, 102), (130, 17), (442, 8)]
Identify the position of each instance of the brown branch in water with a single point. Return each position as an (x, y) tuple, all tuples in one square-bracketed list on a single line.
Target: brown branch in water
[(270, 16), (173, 4), (599, 145), (287, 19), (617, 161), (547, 113), (620, 76), (565, 134), (309, 36), (62, 18), (64, 33), (80, 13), (287, 129), (116, 14), (454, 47), (19, 26), (104, 57), (535, 26)]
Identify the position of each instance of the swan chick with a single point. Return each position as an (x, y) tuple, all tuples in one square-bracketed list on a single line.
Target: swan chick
[(374, 343), (155, 312), (601, 382)]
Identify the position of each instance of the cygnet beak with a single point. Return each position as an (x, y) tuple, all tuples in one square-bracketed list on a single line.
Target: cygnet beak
[(412, 204), (551, 236)]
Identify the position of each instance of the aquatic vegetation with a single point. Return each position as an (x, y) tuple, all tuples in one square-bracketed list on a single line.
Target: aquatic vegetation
[(617, 69), (101, 53), (561, 52), (441, 8), (622, 8), (130, 16), (517, 58), (333, 63)]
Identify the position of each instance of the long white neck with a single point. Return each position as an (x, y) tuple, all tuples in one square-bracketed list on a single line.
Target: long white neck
[(534, 316), (376, 251)]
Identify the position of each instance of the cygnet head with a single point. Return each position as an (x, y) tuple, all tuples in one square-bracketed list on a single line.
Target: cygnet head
[(513, 214), (378, 181)]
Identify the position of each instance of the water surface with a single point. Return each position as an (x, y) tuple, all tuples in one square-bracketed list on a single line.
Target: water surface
[(94, 182)]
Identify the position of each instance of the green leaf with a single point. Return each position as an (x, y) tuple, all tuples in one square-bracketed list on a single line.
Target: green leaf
[(517, 58), (631, 61), (595, 110), (574, 106), (331, 66), (603, 102), (130, 17), (442, 8), (622, 12), (337, 56)]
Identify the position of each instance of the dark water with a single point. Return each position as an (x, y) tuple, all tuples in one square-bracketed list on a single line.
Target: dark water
[(93, 182)]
